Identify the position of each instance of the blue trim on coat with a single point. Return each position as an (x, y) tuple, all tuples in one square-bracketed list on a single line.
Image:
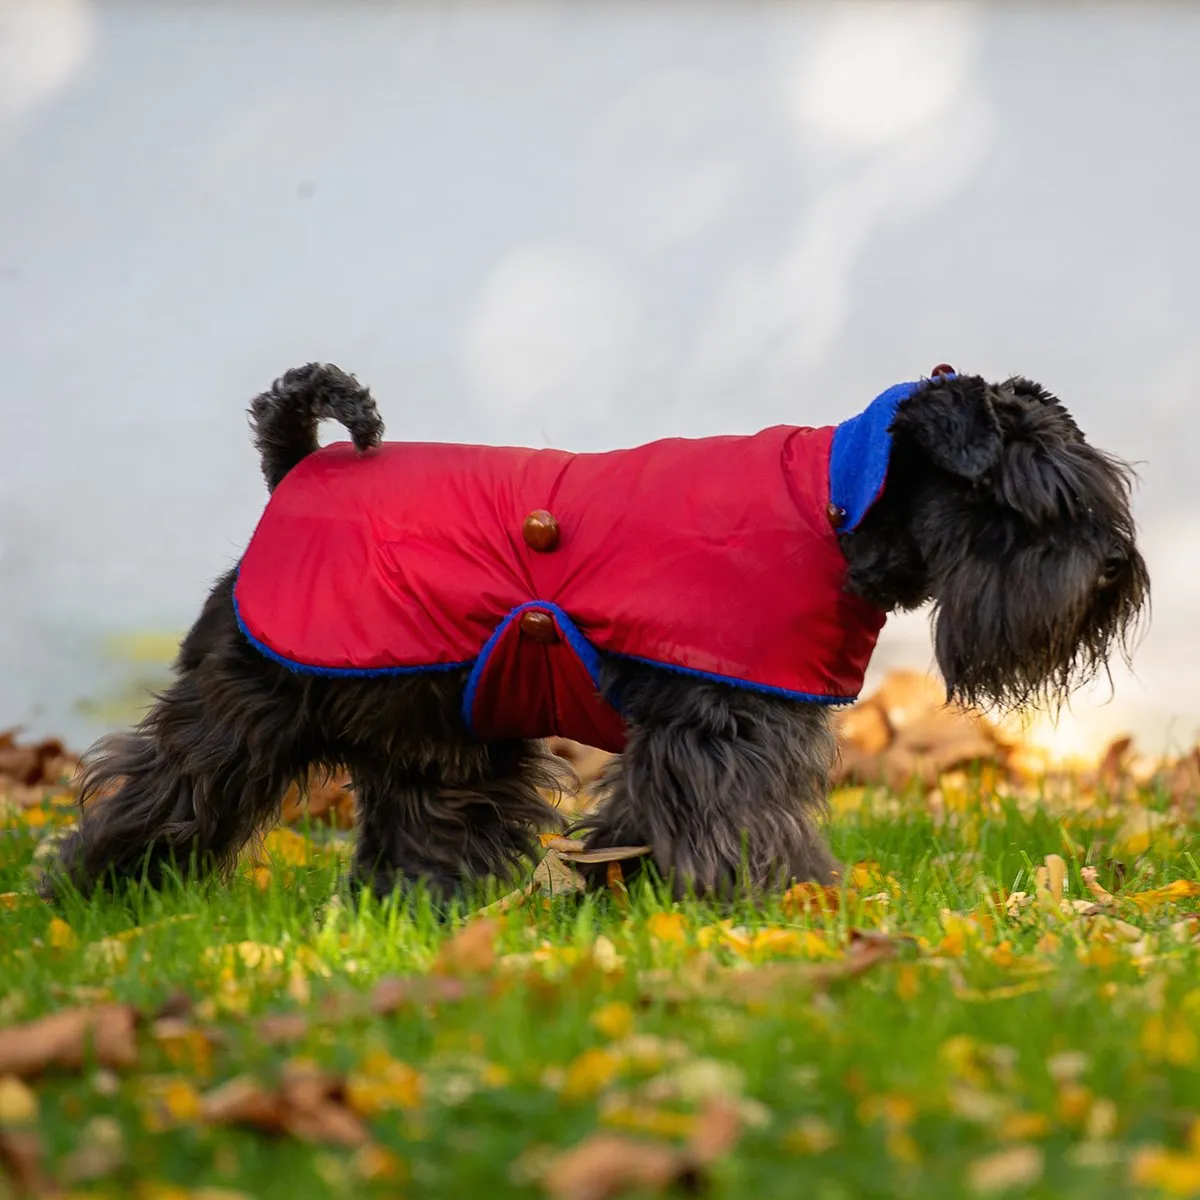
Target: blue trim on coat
[(584, 650), (746, 685), (300, 668), (861, 450)]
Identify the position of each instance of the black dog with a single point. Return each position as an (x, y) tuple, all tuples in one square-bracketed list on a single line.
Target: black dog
[(995, 507)]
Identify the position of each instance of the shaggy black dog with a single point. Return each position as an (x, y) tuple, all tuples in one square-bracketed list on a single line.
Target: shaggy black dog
[(995, 508)]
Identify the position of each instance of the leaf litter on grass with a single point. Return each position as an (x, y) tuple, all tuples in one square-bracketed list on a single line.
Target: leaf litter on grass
[(987, 881)]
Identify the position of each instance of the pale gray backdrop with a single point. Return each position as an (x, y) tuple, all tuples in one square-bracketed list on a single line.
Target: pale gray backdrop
[(580, 224)]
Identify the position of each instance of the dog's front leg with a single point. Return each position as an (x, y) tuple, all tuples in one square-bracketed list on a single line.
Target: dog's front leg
[(725, 784)]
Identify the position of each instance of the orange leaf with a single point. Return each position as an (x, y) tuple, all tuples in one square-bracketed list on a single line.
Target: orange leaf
[(471, 951)]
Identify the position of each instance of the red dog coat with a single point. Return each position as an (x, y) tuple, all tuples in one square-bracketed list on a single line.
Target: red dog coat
[(717, 557)]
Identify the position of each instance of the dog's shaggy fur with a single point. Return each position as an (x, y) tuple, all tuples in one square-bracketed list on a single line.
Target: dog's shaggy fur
[(995, 508)]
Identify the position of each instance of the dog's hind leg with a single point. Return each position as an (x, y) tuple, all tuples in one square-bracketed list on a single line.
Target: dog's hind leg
[(203, 772), (726, 785), (469, 811)]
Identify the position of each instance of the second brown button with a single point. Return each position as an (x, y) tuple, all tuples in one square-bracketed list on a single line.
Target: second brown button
[(539, 627), (540, 531)]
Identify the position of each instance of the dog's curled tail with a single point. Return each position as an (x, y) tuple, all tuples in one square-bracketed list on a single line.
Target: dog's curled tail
[(285, 418)]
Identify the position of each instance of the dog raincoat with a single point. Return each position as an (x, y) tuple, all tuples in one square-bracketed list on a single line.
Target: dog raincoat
[(716, 557)]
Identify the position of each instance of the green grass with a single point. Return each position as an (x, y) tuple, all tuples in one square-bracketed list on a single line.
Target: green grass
[(1059, 1033)]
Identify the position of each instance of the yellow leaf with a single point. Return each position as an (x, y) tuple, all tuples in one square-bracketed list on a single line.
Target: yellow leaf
[(644, 1118), (590, 1073), (18, 1105), (614, 1020), (666, 927), (1171, 1039), (381, 1083), (378, 1164), (173, 1101), (847, 800), (185, 1046), (60, 935), (1135, 836), (1021, 1126), (1180, 889), (1175, 1174), (908, 983), (288, 846), (254, 956), (892, 1108)]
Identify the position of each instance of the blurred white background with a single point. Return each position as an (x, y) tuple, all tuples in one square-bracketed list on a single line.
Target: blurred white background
[(580, 224)]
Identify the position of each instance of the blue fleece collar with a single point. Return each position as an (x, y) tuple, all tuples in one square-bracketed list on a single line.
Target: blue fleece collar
[(861, 450)]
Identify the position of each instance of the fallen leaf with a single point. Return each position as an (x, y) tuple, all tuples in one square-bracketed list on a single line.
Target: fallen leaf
[(1092, 882), (60, 935), (18, 1105), (308, 1105), (1135, 835), (390, 995), (63, 1039), (1013, 1167), (471, 951), (607, 1165), (21, 1162), (282, 1027), (382, 1083), (1172, 1173), (99, 1150), (574, 850), (1179, 889), (666, 927)]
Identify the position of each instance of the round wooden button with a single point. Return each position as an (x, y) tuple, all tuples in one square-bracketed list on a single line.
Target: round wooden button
[(942, 369), (539, 627), (837, 515), (540, 531)]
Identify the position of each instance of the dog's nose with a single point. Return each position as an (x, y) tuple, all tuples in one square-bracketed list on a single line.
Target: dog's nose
[(540, 531)]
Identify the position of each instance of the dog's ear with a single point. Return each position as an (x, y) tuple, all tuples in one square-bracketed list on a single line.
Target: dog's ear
[(953, 422)]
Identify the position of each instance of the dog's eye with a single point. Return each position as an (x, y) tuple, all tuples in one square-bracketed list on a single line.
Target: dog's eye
[(1114, 564)]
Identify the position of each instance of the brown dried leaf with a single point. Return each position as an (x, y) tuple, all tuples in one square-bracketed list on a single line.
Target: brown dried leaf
[(608, 1165), (309, 1104), (325, 800), (279, 1028), (63, 1039), (471, 951), (717, 1132), (866, 950), (865, 728), (587, 762), (21, 1162), (610, 854), (1091, 879), (555, 876), (243, 1101), (391, 995)]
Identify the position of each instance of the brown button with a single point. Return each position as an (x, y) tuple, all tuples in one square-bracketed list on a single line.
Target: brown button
[(540, 530), (942, 369), (837, 515), (539, 627)]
